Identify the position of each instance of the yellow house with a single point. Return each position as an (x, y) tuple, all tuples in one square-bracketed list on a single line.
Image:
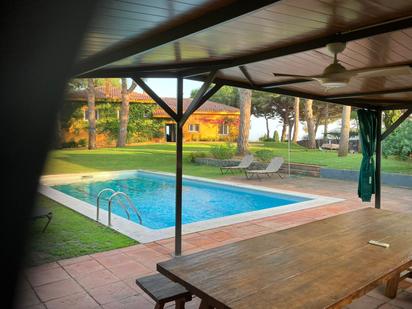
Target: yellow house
[(211, 122)]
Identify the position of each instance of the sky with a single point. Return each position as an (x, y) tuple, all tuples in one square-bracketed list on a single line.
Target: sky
[(166, 87)]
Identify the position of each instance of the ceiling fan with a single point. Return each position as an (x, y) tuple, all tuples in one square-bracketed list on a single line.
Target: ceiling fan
[(336, 75)]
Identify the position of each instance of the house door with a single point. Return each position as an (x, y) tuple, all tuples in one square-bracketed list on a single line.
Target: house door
[(170, 130)]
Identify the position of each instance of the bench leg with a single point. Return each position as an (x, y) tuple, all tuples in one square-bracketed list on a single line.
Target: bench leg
[(159, 306), (392, 286)]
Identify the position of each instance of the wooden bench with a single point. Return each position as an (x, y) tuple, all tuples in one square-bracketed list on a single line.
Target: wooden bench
[(163, 290)]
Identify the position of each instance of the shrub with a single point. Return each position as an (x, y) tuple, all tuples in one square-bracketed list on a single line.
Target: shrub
[(264, 155), (70, 144), (399, 142), (223, 152), (197, 154), (82, 142), (266, 139)]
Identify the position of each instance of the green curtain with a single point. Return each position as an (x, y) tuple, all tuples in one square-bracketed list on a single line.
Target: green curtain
[(368, 126)]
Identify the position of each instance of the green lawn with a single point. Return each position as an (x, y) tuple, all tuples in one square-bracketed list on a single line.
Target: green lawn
[(161, 157), (70, 234)]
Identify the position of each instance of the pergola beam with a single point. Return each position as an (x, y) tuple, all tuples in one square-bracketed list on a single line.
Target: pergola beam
[(202, 100), (247, 75), (198, 100), (360, 103), (396, 124), (156, 70), (156, 98), (374, 104), (368, 93), (288, 92), (205, 17)]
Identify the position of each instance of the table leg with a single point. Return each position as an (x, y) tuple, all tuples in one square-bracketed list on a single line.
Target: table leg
[(392, 286), (205, 305), (180, 303)]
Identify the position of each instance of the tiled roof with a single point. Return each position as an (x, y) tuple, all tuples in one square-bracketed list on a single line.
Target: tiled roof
[(113, 94), (207, 107)]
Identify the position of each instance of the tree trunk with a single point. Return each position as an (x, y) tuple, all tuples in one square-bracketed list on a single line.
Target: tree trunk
[(124, 113), (344, 133), (91, 113), (325, 129), (317, 123), (245, 104), (267, 128), (311, 124), (296, 111), (284, 128), (124, 116)]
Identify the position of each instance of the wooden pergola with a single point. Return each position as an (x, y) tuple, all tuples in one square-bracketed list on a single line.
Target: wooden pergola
[(242, 43)]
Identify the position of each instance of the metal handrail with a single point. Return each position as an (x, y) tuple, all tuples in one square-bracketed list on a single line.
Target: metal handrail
[(130, 204), (98, 200), (98, 203)]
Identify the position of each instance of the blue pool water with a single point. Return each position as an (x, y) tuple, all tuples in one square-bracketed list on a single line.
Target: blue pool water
[(154, 197)]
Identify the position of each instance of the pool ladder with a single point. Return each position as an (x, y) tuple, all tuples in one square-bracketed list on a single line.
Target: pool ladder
[(116, 194)]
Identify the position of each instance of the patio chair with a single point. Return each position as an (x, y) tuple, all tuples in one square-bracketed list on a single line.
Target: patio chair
[(243, 165), (40, 213), (272, 168)]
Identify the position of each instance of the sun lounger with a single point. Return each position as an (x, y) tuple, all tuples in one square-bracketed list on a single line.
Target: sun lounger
[(243, 165), (40, 213), (272, 168)]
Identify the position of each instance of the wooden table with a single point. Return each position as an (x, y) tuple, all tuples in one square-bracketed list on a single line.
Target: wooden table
[(322, 264)]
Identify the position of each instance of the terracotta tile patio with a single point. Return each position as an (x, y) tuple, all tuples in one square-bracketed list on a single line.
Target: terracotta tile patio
[(106, 280)]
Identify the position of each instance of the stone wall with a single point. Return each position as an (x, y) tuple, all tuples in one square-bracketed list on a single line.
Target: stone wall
[(396, 180)]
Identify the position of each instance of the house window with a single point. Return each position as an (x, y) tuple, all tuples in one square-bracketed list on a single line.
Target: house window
[(86, 114), (223, 129), (193, 128)]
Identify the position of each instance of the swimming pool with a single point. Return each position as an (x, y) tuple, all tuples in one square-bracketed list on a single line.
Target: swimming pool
[(154, 197), (206, 203)]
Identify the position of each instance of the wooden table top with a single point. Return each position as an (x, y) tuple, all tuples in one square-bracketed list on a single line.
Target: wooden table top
[(322, 264)]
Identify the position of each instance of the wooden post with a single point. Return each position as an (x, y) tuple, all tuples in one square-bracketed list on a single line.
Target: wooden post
[(378, 160), (179, 168)]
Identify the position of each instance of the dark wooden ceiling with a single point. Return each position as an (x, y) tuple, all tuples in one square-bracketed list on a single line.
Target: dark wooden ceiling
[(187, 37)]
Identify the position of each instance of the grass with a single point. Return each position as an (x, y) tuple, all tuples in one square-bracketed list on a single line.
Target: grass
[(70, 234), (161, 157)]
